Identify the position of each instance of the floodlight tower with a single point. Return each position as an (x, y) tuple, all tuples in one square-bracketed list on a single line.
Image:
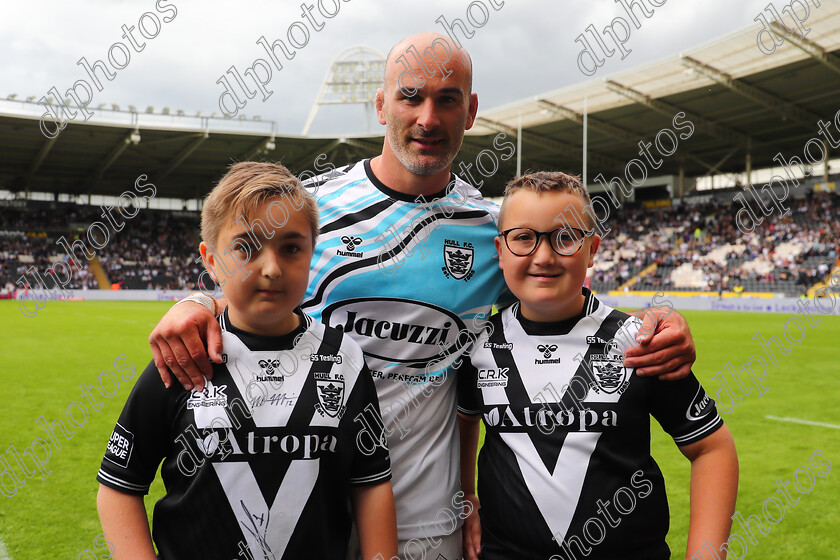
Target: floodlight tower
[(353, 77)]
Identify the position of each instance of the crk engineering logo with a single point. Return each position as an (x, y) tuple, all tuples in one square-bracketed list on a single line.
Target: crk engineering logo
[(492, 377), (212, 395)]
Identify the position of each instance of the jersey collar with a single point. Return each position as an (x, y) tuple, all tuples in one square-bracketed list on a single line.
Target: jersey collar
[(403, 196), (550, 328), (262, 343)]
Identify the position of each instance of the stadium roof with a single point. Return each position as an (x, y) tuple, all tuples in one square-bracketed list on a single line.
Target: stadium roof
[(182, 155), (740, 100)]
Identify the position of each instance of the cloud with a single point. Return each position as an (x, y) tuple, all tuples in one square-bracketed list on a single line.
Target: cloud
[(524, 48)]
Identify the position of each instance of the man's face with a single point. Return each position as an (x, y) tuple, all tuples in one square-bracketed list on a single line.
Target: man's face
[(425, 127), (268, 281), (548, 285)]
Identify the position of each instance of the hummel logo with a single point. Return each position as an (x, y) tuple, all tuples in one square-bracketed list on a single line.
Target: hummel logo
[(270, 371), (268, 366), (351, 242), (547, 350)]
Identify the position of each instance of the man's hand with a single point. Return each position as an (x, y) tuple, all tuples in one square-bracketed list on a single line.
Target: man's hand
[(472, 530), (178, 345), (664, 345)]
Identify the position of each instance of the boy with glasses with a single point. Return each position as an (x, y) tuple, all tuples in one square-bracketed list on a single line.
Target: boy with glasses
[(565, 470)]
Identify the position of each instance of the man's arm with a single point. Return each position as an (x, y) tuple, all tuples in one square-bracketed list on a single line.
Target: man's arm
[(714, 487), (376, 520), (125, 525), (178, 343), (664, 345), (469, 426)]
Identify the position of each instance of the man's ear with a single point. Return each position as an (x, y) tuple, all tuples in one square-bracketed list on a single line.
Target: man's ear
[(209, 260), (379, 101), (473, 109), (593, 248), (498, 241)]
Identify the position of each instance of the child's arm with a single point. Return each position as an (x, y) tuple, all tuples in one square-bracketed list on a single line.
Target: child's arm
[(468, 426), (376, 520), (714, 486), (123, 518)]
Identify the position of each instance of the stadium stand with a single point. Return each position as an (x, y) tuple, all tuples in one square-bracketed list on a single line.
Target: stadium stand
[(684, 248), (699, 248), (154, 250)]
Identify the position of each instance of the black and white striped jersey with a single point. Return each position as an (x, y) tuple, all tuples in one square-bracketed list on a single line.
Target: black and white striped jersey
[(264, 457), (566, 467)]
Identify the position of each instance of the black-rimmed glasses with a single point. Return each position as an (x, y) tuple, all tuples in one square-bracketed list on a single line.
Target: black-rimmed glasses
[(565, 241)]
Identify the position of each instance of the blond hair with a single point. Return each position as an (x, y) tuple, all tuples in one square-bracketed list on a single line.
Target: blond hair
[(244, 188), (548, 181)]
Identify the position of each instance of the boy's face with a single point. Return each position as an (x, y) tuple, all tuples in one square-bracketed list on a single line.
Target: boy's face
[(263, 281), (548, 285)]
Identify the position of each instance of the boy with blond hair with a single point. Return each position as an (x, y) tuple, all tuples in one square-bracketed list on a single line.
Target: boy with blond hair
[(565, 470), (263, 461)]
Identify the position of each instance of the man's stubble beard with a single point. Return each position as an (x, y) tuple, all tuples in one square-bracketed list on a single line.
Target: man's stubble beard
[(406, 158)]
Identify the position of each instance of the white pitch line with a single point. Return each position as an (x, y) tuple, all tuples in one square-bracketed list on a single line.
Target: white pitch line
[(4, 554), (809, 422)]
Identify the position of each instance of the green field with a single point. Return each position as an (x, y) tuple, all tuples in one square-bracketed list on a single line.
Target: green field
[(47, 357)]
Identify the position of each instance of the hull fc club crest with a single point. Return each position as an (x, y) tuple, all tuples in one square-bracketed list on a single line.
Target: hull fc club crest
[(330, 388), (458, 258), (611, 375)]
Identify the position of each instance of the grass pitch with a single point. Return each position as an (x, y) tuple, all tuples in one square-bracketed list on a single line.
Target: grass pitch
[(67, 344)]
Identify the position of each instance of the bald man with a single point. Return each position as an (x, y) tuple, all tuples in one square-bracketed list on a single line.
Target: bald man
[(406, 265)]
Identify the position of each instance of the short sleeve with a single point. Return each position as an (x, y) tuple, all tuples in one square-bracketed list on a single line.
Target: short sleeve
[(140, 438), (683, 409), (371, 462), (469, 401)]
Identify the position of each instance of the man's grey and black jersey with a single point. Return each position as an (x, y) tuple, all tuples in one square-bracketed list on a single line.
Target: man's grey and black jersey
[(412, 280), (568, 437), (265, 456)]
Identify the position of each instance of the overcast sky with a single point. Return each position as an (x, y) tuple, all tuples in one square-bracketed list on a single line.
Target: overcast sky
[(526, 47)]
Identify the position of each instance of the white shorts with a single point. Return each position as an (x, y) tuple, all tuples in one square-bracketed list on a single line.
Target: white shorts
[(449, 547)]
